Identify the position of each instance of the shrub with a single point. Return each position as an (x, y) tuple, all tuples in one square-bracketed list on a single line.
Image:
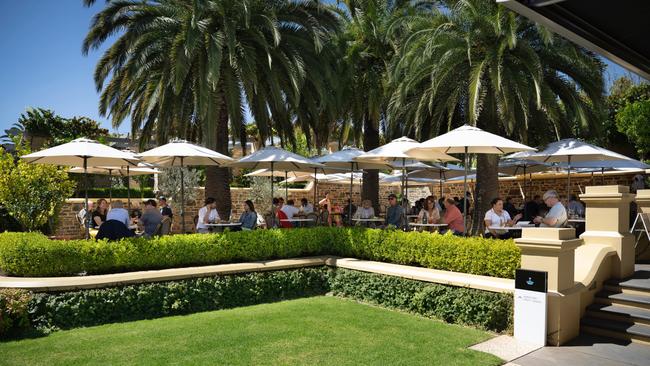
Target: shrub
[(486, 310), (32, 254), (13, 311), (151, 300)]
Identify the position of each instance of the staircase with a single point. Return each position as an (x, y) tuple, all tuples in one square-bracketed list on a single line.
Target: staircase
[(622, 309)]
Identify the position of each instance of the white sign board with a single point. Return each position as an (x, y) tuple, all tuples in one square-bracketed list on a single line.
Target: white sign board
[(530, 307)]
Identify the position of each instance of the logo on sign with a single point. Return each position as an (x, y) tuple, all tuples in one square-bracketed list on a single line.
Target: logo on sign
[(530, 282)]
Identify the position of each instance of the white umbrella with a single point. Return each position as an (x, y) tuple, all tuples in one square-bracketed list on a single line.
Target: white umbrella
[(602, 165), (523, 166), (397, 151), (439, 173), (466, 140), (274, 158), (572, 151), (347, 158), (141, 169), (179, 153), (83, 153), (393, 180)]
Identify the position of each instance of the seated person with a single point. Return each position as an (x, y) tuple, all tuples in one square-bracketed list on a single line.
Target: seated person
[(498, 216), (453, 217), (575, 207), (207, 215), (531, 208), (366, 211), (118, 213), (151, 218), (346, 210), (165, 210), (306, 207), (290, 210), (510, 207), (280, 216), (556, 216), (113, 230), (429, 214), (394, 212), (248, 218), (99, 215)]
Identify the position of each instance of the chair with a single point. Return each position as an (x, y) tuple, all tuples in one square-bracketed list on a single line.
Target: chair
[(195, 220), (313, 216)]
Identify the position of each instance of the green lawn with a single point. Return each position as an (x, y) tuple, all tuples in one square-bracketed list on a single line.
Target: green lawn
[(312, 331)]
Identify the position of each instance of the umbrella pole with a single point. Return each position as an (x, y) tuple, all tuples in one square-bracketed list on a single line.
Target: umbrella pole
[(406, 192), (441, 176), (182, 198), (128, 188), (592, 178), (110, 185), (272, 212), (351, 185), (525, 185), (602, 175), (465, 195), (88, 213), (568, 185), (286, 185), (315, 186)]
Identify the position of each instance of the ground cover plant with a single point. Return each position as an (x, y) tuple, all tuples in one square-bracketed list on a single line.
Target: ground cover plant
[(317, 330), (33, 254)]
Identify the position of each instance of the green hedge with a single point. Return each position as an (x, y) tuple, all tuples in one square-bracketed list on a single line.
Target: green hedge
[(44, 312), (486, 310), (32, 254)]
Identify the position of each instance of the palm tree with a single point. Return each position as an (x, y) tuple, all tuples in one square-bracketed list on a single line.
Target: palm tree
[(187, 68), (476, 62)]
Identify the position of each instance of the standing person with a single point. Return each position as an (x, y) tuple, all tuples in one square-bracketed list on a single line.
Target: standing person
[(453, 217), (119, 213), (326, 203), (99, 215), (498, 216), (290, 210), (151, 218), (429, 213), (556, 216), (248, 218), (165, 210), (306, 207), (207, 214), (394, 212)]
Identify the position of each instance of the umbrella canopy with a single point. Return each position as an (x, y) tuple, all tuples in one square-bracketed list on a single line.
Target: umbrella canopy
[(82, 151), (182, 153), (574, 151), (466, 139), (346, 158), (396, 179), (397, 150), (522, 166), (272, 157), (116, 170), (343, 178), (472, 177), (608, 164)]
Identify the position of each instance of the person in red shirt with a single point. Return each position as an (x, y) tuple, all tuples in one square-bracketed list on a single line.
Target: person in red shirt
[(280, 215), (453, 217)]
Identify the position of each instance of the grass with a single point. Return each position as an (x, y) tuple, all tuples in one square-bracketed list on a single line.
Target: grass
[(311, 331)]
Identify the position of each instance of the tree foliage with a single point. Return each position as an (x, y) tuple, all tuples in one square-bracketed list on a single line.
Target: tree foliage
[(169, 183), (634, 121), (32, 193)]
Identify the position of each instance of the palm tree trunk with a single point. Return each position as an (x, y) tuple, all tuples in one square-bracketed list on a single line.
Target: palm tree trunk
[(370, 189), (487, 188), (217, 180)]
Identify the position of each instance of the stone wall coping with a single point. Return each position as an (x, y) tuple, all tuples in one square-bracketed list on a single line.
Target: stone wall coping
[(37, 284), (585, 257)]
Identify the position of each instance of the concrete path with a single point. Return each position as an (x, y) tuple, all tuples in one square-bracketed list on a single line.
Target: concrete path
[(588, 350)]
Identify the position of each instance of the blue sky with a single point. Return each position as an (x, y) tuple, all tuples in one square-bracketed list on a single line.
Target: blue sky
[(42, 64)]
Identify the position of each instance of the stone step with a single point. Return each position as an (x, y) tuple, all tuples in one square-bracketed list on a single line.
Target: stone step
[(639, 283), (638, 333), (620, 298), (627, 314)]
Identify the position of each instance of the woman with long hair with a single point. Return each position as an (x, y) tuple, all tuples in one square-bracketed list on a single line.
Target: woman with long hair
[(248, 218)]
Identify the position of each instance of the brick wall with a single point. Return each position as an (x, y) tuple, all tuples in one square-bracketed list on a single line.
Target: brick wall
[(68, 226)]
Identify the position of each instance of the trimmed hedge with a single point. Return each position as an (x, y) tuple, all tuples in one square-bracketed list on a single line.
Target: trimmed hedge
[(486, 310), (151, 300), (32, 254), (45, 312)]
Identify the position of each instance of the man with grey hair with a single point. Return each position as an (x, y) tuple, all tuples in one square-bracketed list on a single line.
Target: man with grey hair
[(556, 216), (119, 213)]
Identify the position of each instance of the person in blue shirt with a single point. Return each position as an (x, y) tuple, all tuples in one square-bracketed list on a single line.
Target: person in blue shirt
[(119, 213), (248, 218), (394, 212)]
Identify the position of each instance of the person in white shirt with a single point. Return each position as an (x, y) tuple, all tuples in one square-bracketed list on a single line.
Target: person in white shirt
[(290, 210), (118, 213), (306, 207), (556, 216), (575, 207), (365, 211), (497, 216), (207, 215)]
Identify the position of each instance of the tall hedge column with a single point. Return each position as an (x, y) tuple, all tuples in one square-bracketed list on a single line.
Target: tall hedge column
[(608, 222), (553, 250)]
